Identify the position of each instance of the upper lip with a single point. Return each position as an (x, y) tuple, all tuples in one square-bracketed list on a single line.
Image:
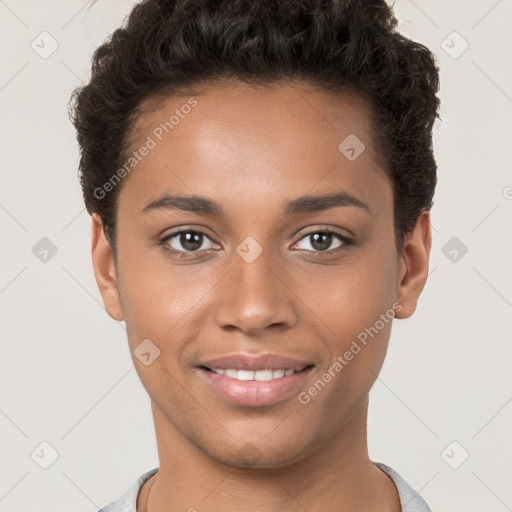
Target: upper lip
[(255, 363)]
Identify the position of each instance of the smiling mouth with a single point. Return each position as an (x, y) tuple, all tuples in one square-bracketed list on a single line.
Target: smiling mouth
[(256, 375), (255, 382)]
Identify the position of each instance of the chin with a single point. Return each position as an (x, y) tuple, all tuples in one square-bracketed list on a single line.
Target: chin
[(250, 456)]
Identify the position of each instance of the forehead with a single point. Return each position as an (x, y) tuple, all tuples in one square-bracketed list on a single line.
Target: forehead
[(240, 141)]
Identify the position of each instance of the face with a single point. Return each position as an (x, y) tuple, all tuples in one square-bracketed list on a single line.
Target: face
[(258, 257)]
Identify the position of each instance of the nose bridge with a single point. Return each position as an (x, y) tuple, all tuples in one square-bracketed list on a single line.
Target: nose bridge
[(253, 297)]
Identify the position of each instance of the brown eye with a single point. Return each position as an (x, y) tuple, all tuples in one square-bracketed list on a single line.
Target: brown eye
[(187, 241), (191, 241), (321, 241)]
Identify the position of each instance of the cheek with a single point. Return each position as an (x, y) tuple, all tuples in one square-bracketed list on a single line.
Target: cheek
[(161, 301), (157, 304), (353, 295), (357, 303)]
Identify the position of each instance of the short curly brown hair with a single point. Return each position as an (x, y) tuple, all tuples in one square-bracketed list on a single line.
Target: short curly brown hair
[(166, 46)]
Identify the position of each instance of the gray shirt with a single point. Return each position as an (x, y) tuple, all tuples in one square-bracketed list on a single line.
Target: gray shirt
[(410, 500)]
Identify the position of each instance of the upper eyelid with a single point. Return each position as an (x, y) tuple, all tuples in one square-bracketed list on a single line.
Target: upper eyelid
[(343, 238), (331, 230), (168, 237)]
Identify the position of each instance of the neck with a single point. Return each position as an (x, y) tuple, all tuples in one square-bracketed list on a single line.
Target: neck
[(338, 473)]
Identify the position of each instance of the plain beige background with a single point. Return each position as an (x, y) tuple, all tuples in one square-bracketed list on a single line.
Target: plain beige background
[(66, 377)]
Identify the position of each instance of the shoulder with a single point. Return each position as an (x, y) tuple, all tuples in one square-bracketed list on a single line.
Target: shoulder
[(128, 501), (410, 500)]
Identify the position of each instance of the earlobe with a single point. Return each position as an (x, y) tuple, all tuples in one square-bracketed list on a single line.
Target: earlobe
[(413, 265), (104, 269)]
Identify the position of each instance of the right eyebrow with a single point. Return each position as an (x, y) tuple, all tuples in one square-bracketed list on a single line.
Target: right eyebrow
[(196, 204)]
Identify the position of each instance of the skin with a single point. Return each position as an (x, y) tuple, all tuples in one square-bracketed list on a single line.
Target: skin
[(251, 153)]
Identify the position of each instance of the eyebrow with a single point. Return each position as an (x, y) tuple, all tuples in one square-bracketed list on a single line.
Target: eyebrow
[(303, 204)]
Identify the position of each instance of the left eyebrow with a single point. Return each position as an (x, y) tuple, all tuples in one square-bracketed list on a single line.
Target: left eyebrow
[(303, 204), (306, 204)]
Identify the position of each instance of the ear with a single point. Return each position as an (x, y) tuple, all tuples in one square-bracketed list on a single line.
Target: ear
[(104, 269), (413, 265)]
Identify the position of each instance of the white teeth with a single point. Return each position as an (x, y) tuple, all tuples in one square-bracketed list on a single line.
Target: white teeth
[(263, 375), (245, 375), (259, 375)]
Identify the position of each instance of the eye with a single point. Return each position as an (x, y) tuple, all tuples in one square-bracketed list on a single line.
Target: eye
[(321, 241), (187, 241), (191, 242)]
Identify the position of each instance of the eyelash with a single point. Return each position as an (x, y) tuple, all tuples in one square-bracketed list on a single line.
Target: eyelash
[(346, 242)]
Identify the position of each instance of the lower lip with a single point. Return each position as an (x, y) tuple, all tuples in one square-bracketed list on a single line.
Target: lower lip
[(252, 393)]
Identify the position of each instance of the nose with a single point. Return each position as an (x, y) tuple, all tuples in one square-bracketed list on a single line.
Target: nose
[(254, 297)]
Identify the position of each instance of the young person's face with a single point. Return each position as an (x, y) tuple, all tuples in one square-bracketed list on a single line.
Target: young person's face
[(215, 302)]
